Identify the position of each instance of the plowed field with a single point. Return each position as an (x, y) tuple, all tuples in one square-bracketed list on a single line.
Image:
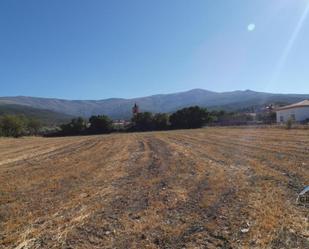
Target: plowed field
[(208, 188)]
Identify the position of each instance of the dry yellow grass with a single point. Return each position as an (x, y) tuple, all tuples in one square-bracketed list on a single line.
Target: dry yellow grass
[(208, 188)]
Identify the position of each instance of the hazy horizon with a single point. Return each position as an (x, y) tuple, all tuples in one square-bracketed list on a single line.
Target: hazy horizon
[(154, 94)]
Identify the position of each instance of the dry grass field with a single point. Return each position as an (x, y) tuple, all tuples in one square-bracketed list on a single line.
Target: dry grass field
[(208, 188)]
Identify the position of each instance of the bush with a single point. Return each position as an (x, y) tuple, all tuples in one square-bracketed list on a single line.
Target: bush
[(289, 124)]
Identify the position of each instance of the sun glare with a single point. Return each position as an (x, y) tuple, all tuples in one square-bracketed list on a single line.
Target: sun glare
[(290, 44)]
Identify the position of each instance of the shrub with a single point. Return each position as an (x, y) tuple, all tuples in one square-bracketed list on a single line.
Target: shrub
[(289, 124)]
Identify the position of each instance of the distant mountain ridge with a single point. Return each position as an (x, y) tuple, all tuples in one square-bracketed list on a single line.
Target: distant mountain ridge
[(121, 108), (46, 117)]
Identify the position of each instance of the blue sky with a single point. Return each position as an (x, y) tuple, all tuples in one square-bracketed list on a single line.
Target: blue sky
[(95, 49)]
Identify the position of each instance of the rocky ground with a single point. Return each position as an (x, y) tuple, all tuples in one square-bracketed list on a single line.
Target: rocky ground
[(208, 188)]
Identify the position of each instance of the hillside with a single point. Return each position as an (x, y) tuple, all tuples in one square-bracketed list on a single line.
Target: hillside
[(47, 117), (121, 108)]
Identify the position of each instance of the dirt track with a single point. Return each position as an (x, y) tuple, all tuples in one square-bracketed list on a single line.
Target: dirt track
[(211, 188)]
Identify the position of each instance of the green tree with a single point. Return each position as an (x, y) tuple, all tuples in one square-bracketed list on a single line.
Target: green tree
[(76, 127), (100, 124), (33, 126), (160, 121), (12, 126), (143, 122), (189, 118)]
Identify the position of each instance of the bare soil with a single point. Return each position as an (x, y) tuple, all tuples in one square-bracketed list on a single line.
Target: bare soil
[(208, 188)]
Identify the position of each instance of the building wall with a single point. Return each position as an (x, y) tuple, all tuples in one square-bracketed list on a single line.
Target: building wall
[(300, 114)]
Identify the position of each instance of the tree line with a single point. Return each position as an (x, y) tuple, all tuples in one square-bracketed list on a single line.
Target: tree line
[(19, 125), (100, 124), (186, 118)]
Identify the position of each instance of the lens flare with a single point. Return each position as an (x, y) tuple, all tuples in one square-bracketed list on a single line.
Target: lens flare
[(251, 27), (289, 45)]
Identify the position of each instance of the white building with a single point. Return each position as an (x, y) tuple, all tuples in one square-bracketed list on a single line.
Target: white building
[(297, 112)]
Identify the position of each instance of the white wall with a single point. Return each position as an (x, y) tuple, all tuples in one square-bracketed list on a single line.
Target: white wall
[(301, 114)]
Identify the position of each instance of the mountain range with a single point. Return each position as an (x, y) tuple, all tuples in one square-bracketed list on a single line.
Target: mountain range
[(119, 108), (46, 117)]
